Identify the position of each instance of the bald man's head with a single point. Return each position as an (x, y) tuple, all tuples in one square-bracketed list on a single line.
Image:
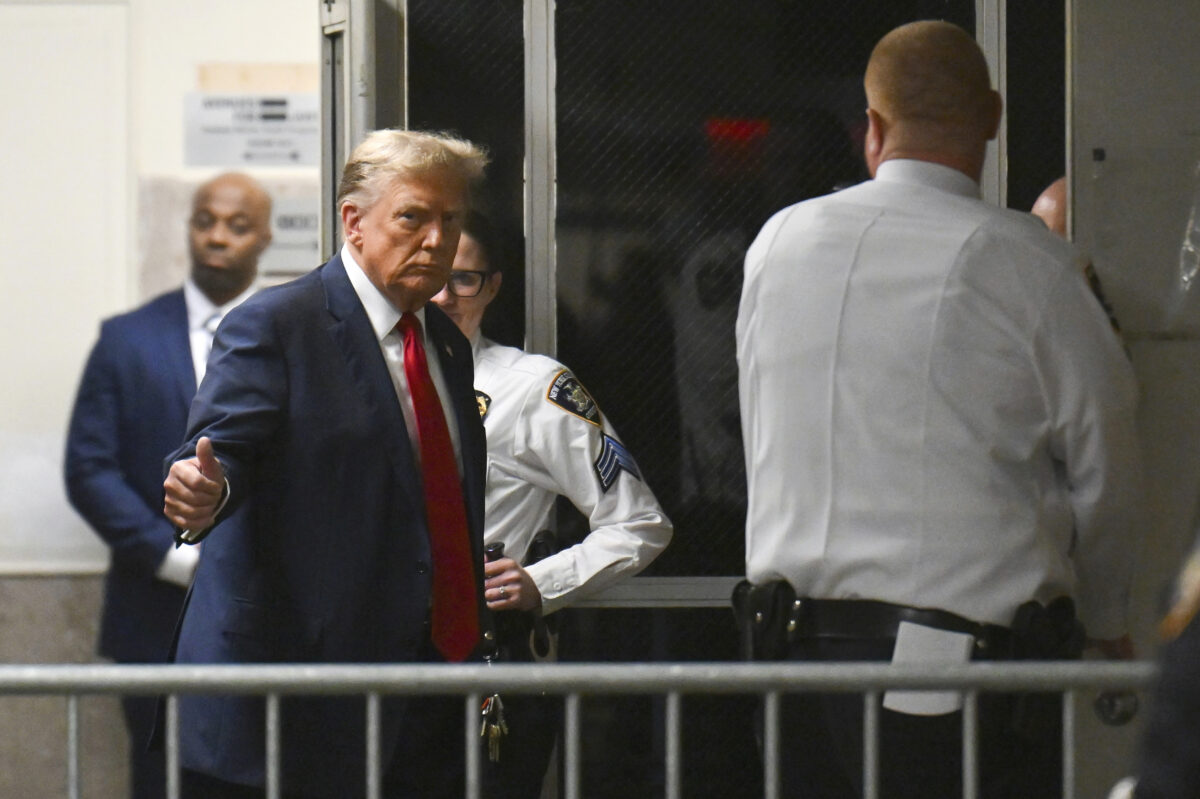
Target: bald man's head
[(229, 228), (928, 84), (1051, 207)]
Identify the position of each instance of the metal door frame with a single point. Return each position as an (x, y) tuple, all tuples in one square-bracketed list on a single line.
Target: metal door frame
[(360, 28)]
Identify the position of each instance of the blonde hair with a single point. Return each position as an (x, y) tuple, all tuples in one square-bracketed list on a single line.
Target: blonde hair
[(391, 153)]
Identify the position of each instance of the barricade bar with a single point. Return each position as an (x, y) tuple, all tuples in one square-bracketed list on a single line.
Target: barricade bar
[(472, 722), (1068, 728), (73, 747), (970, 753), (273, 744), (674, 754), (871, 745), (572, 681), (574, 744), (374, 767), (173, 782), (771, 776), (566, 678)]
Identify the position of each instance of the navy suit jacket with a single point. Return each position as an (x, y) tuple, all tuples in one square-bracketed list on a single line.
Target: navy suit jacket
[(130, 412), (322, 553)]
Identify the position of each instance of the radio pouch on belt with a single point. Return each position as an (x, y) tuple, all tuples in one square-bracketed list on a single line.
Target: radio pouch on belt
[(766, 617)]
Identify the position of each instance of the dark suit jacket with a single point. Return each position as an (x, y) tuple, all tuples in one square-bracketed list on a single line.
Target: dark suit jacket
[(1169, 760), (322, 553), (130, 412)]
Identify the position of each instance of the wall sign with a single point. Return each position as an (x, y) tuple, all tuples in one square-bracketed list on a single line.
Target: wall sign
[(251, 130)]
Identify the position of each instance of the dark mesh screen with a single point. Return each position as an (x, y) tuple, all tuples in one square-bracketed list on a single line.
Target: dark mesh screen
[(466, 74), (1036, 99), (681, 126)]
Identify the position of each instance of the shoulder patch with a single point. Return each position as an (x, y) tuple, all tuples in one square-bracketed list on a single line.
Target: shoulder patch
[(614, 459), (484, 402), (569, 394)]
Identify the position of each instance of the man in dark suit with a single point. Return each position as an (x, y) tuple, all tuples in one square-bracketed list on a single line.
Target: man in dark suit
[(1168, 762), (131, 410), (338, 533)]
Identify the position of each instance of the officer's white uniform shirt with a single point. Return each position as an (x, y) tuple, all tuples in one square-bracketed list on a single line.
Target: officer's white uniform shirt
[(546, 437), (935, 410)]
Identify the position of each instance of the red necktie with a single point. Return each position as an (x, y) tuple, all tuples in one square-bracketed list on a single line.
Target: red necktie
[(455, 612)]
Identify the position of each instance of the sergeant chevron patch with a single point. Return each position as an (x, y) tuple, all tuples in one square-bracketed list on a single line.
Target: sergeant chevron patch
[(613, 459)]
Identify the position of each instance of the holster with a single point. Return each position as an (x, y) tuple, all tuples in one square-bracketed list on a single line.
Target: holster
[(1044, 632), (766, 616), (523, 636)]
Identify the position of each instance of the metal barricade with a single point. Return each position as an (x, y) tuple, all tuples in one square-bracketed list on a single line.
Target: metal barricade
[(573, 681)]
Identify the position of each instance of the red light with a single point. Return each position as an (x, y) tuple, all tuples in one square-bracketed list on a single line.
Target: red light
[(728, 130)]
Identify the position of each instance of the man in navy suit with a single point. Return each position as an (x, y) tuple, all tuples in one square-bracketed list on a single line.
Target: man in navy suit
[(130, 412), (304, 469)]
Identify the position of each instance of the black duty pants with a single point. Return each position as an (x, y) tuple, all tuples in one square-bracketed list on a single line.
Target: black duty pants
[(533, 724), (920, 757)]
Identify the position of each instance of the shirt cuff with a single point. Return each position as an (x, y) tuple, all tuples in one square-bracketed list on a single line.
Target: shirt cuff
[(179, 565)]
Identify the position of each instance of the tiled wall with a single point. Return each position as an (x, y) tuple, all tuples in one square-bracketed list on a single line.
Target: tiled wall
[(54, 620)]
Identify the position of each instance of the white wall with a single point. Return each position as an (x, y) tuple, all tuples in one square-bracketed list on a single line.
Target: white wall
[(63, 223), (172, 40), (1134, 69), (1134, 98), (92, 143)]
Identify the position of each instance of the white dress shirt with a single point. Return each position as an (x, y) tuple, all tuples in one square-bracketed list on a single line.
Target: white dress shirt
[(203, 319), (384, 316), (935, 410), (546, 437)]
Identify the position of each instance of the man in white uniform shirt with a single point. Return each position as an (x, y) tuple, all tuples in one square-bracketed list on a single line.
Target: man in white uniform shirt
[(131, 410), (939, 437), (545, 437)]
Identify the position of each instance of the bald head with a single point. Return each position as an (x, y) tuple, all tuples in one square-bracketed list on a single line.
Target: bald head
[(929, 93), (1051, 207), (236, 181), (229, 228)]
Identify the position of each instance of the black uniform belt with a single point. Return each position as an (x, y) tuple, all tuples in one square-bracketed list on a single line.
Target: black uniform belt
[(870, 618)]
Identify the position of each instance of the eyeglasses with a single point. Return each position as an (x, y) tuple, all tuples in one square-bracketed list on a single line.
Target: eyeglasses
[(466, 282)]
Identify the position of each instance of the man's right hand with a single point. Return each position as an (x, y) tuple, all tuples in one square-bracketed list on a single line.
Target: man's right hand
[(193, 489)]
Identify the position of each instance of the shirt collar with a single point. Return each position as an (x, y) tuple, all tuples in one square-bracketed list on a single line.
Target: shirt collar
[(380, 311), (478, 342), (200, 308), (936, 176)]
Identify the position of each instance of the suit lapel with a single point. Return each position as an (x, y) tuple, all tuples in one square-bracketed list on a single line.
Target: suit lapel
[(352, 332), (179, 349)]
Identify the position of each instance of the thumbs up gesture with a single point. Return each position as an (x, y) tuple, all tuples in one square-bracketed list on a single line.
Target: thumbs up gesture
[(206, 461), (193, 491)]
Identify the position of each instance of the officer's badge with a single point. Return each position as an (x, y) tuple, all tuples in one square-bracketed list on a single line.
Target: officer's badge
[(484, 402), (614, 459), (567, 393)]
